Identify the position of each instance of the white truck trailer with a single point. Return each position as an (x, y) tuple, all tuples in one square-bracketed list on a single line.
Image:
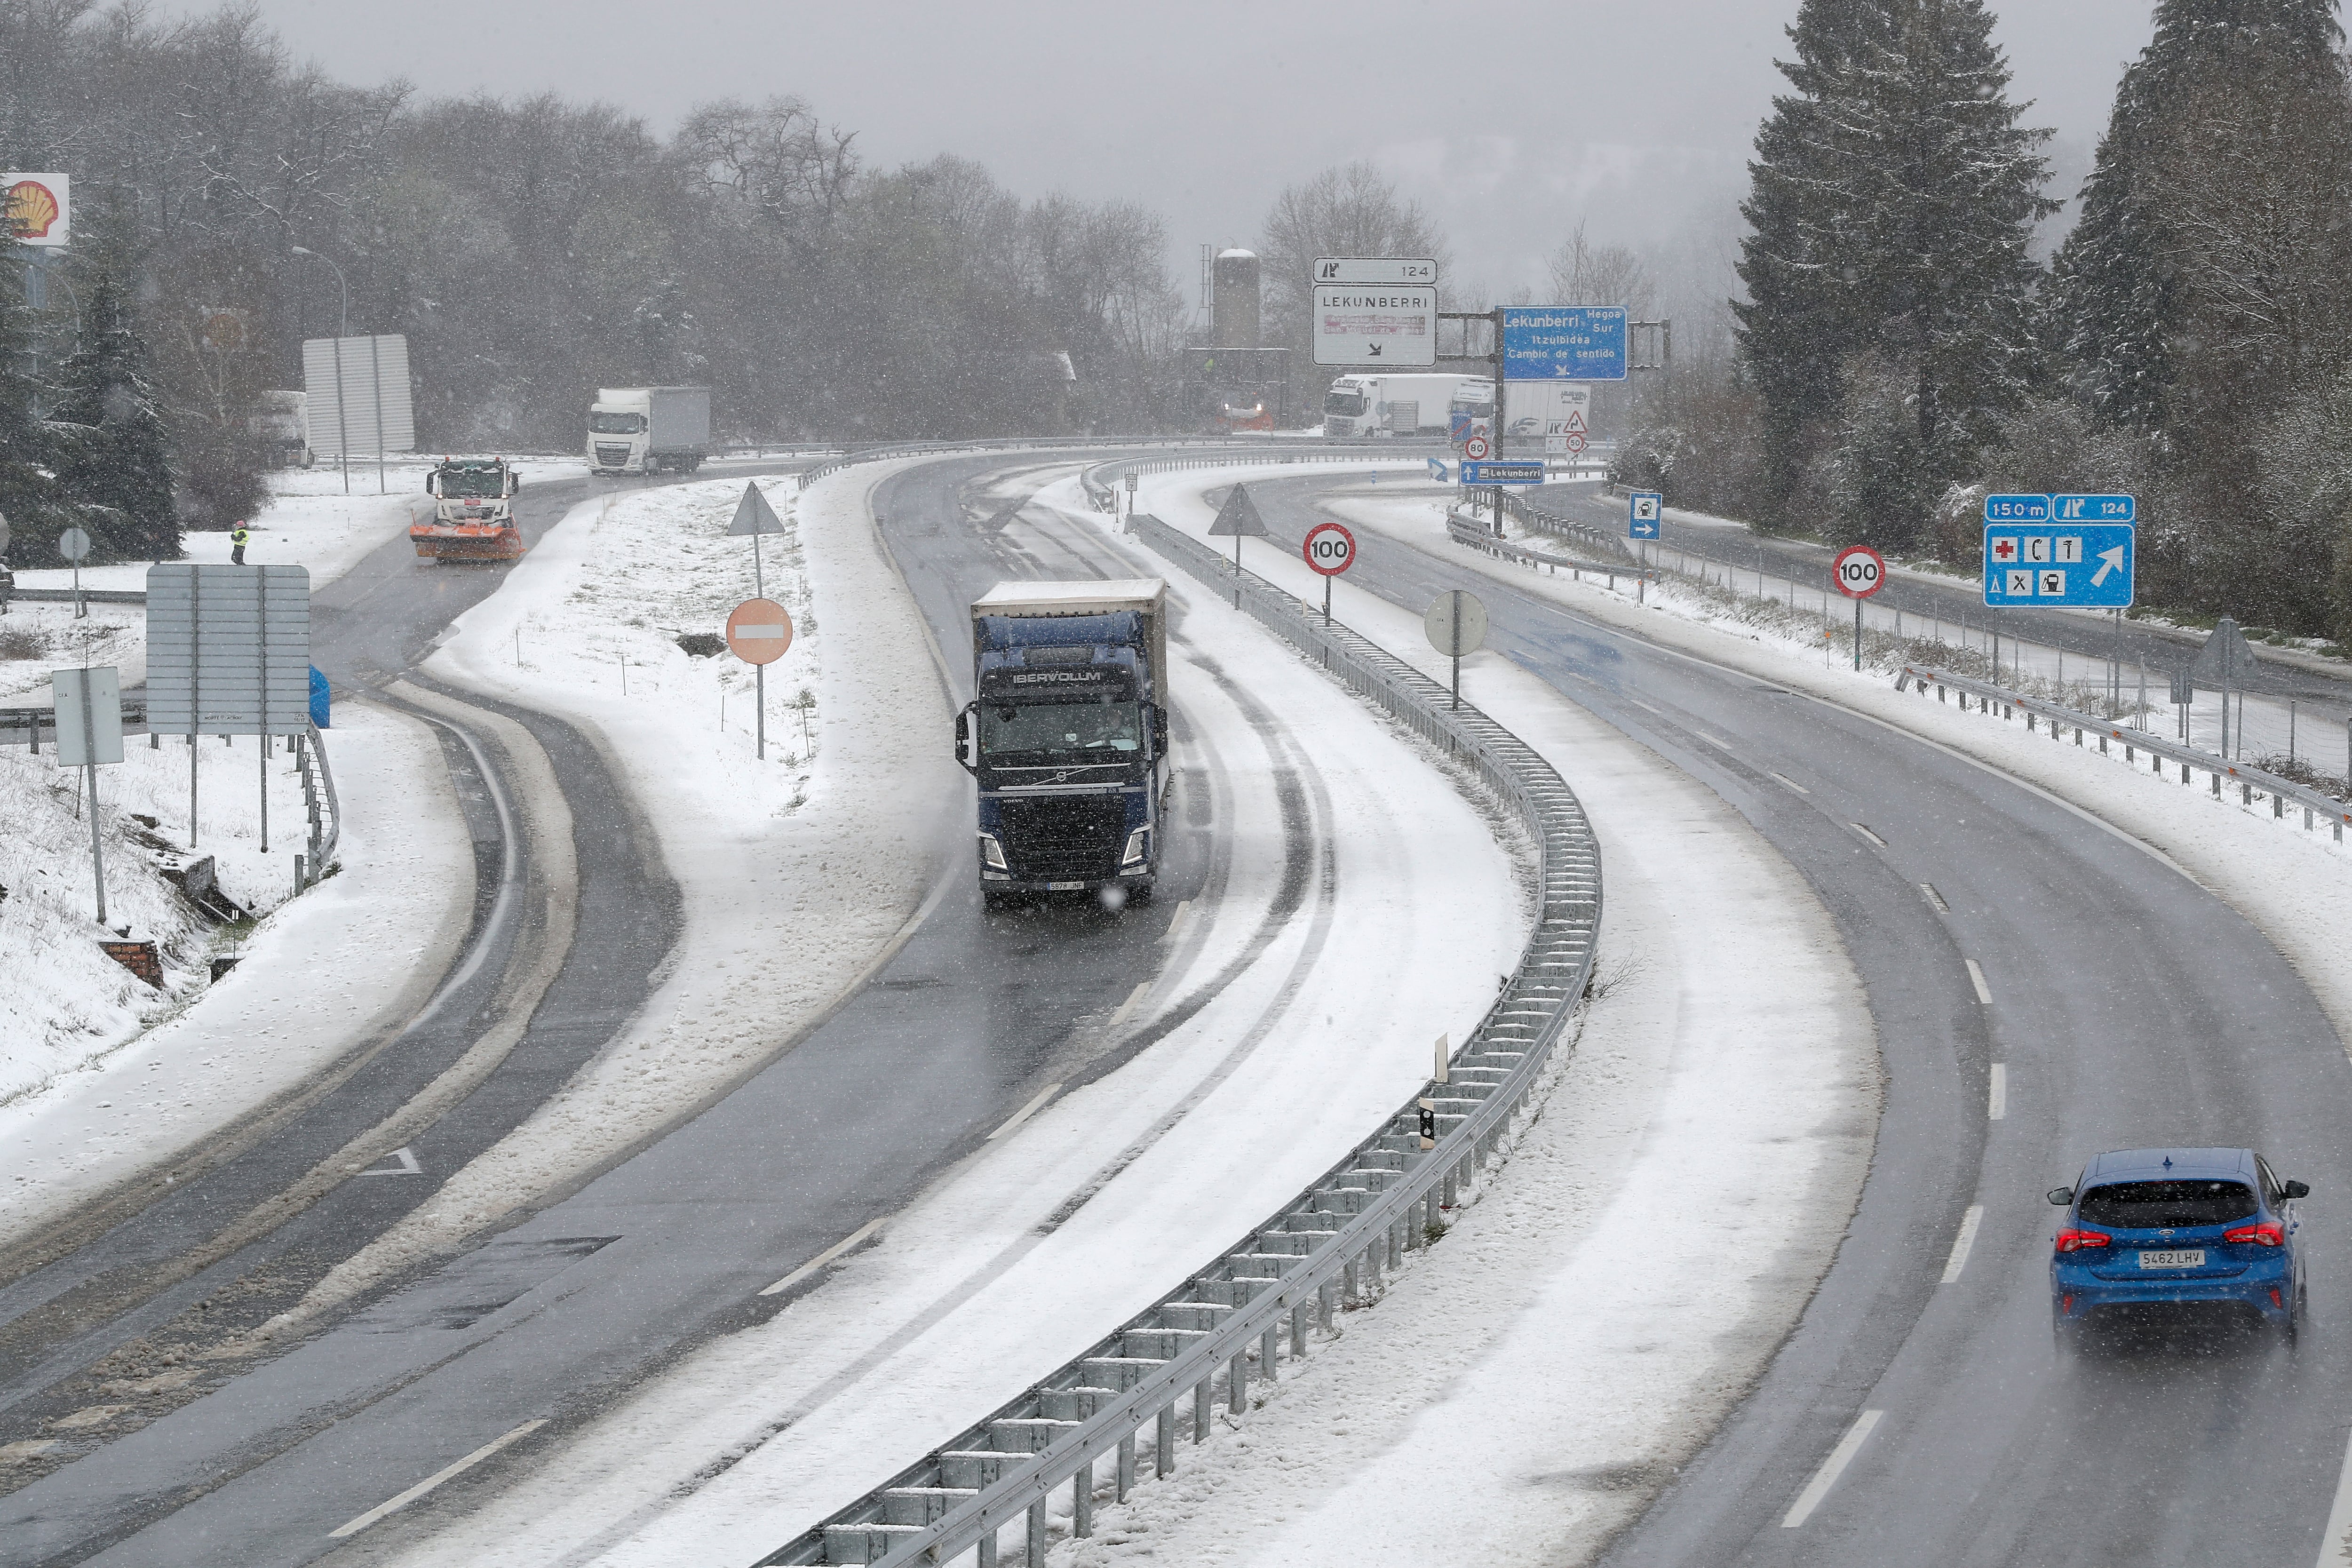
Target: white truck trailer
[(648, 429)]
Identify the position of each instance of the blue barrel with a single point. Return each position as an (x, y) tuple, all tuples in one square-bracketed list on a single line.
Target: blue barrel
[(318, 698)]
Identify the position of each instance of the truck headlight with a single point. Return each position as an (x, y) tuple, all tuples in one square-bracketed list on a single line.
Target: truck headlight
[(1134, 846), (993, 852)]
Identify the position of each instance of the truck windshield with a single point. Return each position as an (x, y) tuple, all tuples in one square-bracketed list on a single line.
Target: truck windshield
[(600, 424), (1044, 734), (1347, 403), (472, 484)]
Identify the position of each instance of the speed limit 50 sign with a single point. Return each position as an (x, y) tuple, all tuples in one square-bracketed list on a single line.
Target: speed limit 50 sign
[(1860, 570), (1329, 549)]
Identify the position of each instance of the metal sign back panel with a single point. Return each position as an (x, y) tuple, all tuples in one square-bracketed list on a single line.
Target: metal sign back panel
[(229, 649), (2057, 565), (356, 396), (90, 715), (1374, 324), (1564, 342)]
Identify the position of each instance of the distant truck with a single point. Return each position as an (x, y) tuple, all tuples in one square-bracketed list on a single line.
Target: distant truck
[(648, 429), (473, 511), (1069, 737), (1244, 410), (1400, 404), (281, 421)]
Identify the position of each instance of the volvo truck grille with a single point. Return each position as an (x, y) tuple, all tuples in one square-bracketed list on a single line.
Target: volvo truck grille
[(1066, 838)]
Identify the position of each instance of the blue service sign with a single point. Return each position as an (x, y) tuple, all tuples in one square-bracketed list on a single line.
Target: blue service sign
[(1563, 343), (2052, 565), (1642, 511), (2017, 509), (1502, 473), (2091, 509)]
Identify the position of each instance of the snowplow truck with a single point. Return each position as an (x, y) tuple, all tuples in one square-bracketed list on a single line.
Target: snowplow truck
[(473, 511)]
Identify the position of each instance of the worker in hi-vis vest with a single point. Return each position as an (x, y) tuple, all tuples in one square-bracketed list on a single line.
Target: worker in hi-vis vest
[(236, 538)]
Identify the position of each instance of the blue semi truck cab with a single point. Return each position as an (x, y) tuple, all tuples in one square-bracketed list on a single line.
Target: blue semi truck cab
[(1069, 737)]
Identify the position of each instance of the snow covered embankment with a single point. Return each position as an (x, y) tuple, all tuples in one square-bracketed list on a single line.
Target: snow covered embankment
[(795, 873)]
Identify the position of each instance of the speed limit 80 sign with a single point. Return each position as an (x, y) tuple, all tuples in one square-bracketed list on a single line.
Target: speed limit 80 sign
[(1860, 570), (1329, 549)]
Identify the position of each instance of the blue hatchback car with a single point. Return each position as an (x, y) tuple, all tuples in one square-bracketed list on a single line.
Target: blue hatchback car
[(2156, 1229)]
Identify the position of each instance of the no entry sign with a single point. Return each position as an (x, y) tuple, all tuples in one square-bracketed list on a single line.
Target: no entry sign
[(1329, 549), (1860, 572), (759, 631)]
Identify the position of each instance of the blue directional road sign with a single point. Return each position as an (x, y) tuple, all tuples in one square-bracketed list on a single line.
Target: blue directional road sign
[(2017, 509), (2091, 509), (1563, 343), (2049, 565), (1437, 469), (1642, 512), (1502, 473)]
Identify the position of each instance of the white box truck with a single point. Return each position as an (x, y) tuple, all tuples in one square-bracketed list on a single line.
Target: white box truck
[(648, 429), (1399, 404)]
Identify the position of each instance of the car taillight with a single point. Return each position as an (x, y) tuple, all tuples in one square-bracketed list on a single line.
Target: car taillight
[(2069, 1240), (2268, 1233)]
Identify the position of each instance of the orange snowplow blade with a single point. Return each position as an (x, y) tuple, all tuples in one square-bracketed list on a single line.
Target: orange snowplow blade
[(466, 541)]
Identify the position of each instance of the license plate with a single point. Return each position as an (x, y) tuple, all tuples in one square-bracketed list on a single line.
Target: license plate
[(1068, 888), (2192, 1258)]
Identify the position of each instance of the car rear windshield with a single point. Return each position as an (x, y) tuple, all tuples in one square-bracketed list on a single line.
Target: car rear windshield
[(2166, 1206)]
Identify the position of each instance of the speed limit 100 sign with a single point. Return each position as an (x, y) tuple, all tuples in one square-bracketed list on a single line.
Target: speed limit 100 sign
[(1860, 572), (1330, 549)]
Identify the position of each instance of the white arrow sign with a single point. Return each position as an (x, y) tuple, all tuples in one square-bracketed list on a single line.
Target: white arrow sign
[(2109, 560)]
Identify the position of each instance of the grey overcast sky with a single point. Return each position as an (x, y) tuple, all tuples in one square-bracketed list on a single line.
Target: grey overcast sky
[(1510, 121)]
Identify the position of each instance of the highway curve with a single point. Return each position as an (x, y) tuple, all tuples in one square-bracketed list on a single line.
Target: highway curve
[(667, 1247), (2128, 1007)]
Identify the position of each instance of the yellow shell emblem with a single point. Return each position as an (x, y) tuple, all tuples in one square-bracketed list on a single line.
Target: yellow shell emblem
[(32, 208)]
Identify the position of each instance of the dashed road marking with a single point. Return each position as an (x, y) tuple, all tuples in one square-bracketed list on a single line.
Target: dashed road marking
[(1996, 1095), (827, 1256), (1962, 1242), (1831, 1468), (1867, 833), (435, 1479), (403, 1163), (1976, 978), (1935, 898), (1643, 706), (1028, 1111), (1719, 743), (1793, 784)]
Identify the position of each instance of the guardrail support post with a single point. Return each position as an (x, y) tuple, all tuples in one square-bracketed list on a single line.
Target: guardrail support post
[(1449, 1195), (1123, 1477), (1082, 1502), (986, 1555), (1200, 1396), (1396, 1244), (1036, 1558), (1163, 1447), (1324, 1292), (1347, 1272), (1238, 1383), (1298, 1330), (1269, 1347)]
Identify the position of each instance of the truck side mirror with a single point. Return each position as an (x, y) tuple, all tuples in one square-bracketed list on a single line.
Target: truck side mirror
[(428, 484), (963, 740), (1159, 728)]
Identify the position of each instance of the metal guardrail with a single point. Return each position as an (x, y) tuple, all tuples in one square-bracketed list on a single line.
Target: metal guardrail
[(1527, 514), (66, 595), (1474, 533), (2133, 740), (1361, 1215), (1355, 445)]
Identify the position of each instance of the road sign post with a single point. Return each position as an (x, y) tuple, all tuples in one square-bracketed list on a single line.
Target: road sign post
[(1329, 549), (74, 545), (758, 633), (1237, 517), (89, 732), (1859, 572), (1457, 625)]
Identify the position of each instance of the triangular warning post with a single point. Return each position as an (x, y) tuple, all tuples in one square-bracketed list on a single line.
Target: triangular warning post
[(754, 515), (1238, 517), (2225, 659)]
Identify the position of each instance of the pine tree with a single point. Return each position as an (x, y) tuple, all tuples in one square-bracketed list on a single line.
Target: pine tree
[(113, 455), (2115, 295), (28, 488), (1894, 208)]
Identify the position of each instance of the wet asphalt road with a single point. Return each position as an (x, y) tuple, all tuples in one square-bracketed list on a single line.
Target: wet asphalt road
[(2129, 1006)]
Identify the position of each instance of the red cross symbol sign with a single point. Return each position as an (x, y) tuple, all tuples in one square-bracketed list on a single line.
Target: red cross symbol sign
[(2003, 549)]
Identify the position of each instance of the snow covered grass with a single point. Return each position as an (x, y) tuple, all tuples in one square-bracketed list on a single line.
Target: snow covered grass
[(101, 1077), (1041, 1242)]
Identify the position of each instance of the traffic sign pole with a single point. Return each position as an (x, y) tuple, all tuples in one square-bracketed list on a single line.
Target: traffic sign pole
[(1859, 572)]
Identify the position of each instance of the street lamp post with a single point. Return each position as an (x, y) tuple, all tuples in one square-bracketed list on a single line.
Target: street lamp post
[(342, 435)]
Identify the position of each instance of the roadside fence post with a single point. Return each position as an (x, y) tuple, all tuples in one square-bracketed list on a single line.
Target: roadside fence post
[(1163, 1453), (1202, 1394), (1082, 1502)]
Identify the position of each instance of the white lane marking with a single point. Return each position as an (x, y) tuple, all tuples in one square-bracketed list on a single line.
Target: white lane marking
[(1793, 784), (435, 1479), (1996, 1095), (1128, 1006), (1962, 1242), (1867, 833), (1720, 745), (403, 1163), (1643, 706), (2339, 1519), (1976, 978), (1935, 898), (827, 1256), (1028, 1111), (1831, 1468), (1177, 927)]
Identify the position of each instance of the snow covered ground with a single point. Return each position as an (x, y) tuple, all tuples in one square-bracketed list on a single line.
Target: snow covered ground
[(100, 1077), (981, 1286)]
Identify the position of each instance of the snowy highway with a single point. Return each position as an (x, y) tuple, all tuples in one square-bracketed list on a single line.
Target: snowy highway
[(1997, 930)]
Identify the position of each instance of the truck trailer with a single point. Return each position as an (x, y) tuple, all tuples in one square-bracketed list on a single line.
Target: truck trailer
[(648, 429), (1069, 737), (1400, 404)]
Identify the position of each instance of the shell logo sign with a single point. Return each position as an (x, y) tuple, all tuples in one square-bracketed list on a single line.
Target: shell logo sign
[(40, 208)]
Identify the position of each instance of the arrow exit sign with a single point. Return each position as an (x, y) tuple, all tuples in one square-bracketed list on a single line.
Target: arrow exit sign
[(2059, 564)]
